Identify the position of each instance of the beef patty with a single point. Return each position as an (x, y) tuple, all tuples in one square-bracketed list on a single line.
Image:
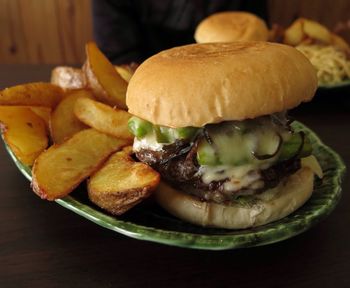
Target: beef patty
[(177, 163)]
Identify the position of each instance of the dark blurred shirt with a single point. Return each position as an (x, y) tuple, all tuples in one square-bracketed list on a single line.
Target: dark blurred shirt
[(132, 30)]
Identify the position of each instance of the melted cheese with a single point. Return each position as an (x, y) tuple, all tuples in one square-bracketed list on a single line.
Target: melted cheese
[(248, 176), (239, 176)]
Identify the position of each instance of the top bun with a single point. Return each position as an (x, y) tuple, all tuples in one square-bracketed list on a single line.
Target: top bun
[(231, 27), (197, 84)]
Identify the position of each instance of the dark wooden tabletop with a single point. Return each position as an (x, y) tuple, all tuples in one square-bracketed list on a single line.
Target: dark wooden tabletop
[(45, 245)]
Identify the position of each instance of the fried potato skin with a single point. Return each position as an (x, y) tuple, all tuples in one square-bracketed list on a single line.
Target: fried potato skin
[(102, 77), (24, 132), (302, 30), (103, 118), (294, 34), (61, 168), (32, 94), (68, 77), (125, 72), (64, 124), (315, 30), (122, 183), (44, 113)]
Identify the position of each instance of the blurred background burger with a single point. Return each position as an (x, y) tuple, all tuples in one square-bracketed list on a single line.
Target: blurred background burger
[(231, 26)]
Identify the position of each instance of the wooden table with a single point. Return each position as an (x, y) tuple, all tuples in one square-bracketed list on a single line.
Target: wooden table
[(44, 245)]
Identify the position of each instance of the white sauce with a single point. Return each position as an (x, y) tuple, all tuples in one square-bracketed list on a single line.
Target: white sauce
[(148, 142)]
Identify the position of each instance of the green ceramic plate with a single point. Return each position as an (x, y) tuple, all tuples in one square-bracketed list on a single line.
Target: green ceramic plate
[(149, 222)]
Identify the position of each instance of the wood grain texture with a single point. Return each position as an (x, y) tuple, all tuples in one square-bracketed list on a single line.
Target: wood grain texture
[(44, 31), (55, 31)]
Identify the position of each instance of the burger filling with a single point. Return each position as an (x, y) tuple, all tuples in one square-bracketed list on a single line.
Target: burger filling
[(226, 161)]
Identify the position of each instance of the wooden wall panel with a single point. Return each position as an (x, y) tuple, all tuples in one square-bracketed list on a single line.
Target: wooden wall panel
[(55, 31), (44, 31)]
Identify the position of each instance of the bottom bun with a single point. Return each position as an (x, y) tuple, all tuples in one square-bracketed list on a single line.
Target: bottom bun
[(290, 195)]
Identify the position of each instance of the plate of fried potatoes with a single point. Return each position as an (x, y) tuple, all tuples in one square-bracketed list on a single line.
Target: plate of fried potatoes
[(70, 139), (327, 51)]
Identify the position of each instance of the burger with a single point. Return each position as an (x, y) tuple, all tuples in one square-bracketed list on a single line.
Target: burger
[(231, 26), (211, 119)]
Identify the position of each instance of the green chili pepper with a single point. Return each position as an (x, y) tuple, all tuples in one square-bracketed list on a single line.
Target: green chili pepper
[(186, 132), (139, 127)]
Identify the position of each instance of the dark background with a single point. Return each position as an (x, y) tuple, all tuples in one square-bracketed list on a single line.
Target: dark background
[(55, 31), (45, 245)]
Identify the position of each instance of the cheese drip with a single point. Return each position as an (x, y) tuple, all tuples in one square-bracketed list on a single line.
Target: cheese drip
[(239, 177)]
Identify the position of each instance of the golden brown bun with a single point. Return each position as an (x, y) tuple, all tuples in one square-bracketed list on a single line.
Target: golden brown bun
[(292, 194), (197, 84), (231, 26)]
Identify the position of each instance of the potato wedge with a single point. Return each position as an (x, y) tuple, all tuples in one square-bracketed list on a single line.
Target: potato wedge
[(68, 77), (316, 31), (61, 168), (108, 86), (294, 35), (103, 118), (64, 123), (125, 72), (121, 183), (128, 150), (44, 113), (32, 94), (302, 29), (24, 132)]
